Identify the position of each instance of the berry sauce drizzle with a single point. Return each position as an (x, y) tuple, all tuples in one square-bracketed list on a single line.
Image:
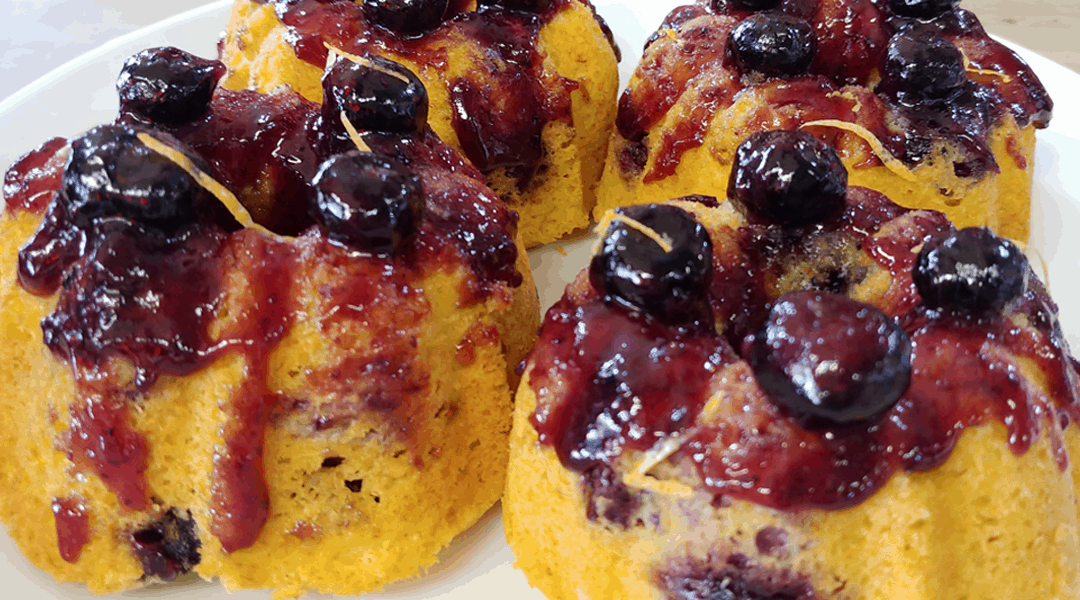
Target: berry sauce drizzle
[(608, 381), (134, 303), (72, 527), (31, 183), (691, 58), (631, 381), (500, 105)]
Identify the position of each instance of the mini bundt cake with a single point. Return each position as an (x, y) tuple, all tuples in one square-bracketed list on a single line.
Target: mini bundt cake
[(921, 103), (525, 89), (805, 393), (317, 402)]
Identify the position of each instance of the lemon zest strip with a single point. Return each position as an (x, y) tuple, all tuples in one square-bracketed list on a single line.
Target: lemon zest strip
[(887, 159), (210, 184), (649, 232), (354, 135), (967, 67), (360, 60)]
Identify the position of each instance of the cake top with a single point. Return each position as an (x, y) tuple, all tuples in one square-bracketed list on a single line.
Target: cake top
[(795, 362), (909, 73), (501, 99), (154, 275)]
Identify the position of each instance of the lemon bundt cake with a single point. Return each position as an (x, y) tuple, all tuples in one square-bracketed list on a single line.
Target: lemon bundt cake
[(525, 89), (850, 401), (318, 405), (921, 103)]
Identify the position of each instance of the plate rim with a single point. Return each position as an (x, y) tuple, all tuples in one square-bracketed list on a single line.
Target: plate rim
[(27, 91), (1049, 71)]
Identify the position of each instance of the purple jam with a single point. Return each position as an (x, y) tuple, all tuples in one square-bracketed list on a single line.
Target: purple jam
[(72, 527), (129, 294), (609, 381), (31, 183), (633, 382), (500, 105), (852, 37), (102, 439)]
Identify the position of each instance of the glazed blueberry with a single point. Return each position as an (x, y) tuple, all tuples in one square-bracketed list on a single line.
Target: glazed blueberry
[(410, 17), (631, 269), (773, 44), (788, 177), (971, 270), (111, 173), (830, 360), (366, 201), (922, 9), (376, 94), (167, 85), (919, 66)]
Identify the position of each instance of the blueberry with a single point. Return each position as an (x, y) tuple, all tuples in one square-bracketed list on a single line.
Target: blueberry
[(773, 44), (168, 547), (111, 173), (410, 17), (920, 66), (376, 94), (366, 201), (830, 360), (971, 270), (167, 85), (788, 177), (631, 269), (923, 9)]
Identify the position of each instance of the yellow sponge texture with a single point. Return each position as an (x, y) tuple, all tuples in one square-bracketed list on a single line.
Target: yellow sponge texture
[(986, 525), (426, 476)]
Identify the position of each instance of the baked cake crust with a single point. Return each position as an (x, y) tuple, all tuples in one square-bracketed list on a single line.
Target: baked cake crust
[(548, 80), (689, 104), (292, 412), (647, 461)]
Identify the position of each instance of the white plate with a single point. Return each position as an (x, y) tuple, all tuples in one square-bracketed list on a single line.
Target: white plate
[(80, 95)]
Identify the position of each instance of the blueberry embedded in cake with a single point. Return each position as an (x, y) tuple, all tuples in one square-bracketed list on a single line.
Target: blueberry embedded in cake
[(919, 101), (248, 336), (859, 382)]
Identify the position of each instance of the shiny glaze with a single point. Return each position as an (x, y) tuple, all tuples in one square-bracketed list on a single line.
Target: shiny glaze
[(72, 527), (134, 304), (687, 56), (604, 375), (32, 181)]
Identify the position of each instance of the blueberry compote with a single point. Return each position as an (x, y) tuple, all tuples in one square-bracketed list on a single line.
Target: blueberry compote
[(153, 277), (914, 47), (167, 85), (611, 381), (500, 103)]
